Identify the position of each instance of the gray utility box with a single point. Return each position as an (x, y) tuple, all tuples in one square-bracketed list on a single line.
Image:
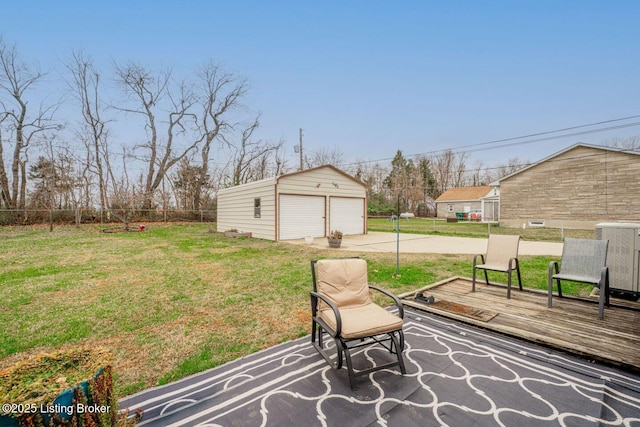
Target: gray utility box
[(623, 255)]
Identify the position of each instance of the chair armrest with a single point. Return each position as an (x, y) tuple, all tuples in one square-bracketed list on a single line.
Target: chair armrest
[(475, 260), (513, 263), (334, 307), (392, 296), (552, 265)]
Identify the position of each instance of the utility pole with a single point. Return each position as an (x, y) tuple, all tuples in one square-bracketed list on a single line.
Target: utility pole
[(301, 167)]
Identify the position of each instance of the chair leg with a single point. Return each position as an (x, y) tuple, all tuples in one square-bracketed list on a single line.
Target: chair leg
[(351, 373), (604, 293), (396, 341), (559, 287), (473, 281), (314, 329), (553, 267), (509, 284), (339, 351), (607, 289), (318, 343), (475, 263)]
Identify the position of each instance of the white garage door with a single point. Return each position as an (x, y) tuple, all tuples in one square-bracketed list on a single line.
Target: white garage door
[(347, 215), (301, 216)]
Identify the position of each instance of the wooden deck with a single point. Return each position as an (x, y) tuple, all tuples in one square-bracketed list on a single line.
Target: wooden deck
[(571, 325)]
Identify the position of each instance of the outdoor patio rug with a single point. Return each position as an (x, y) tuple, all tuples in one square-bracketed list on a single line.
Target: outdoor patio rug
[(456, 375)]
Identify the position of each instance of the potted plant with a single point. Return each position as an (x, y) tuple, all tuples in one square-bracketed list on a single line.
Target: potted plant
[(335, 239)]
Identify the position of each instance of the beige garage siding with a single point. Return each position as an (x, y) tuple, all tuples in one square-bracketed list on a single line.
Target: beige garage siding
[(236, 209), (236, 204)]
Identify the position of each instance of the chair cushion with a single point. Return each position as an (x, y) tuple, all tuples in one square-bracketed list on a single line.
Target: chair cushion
[(343, 281), (363, 321)]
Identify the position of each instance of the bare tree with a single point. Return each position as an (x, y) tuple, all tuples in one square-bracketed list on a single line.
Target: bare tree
[(324, 156), (126, 196), (459, 170), (250, 159), (20, 125), (150, 93), (513, 165), (280, 163), (85, 86), (448, 170), (476, 175), (220, 94), (630, 143)]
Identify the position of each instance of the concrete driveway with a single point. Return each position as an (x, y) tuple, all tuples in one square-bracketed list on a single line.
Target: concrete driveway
[(422, 243)]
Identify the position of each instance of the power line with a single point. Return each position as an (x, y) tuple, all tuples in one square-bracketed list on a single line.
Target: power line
[(520, 167), (563, 136), (483, 145), (558, 131)]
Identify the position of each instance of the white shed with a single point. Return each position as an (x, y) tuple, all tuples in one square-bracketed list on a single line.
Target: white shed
[(311, 202)]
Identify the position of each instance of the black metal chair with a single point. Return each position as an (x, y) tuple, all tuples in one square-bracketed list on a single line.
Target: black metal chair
[(341, 307)]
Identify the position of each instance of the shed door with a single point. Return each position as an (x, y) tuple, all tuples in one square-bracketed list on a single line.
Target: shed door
[(301, 216), (346, 215)]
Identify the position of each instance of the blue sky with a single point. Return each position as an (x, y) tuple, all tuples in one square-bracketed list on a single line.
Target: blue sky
[(369, 77)]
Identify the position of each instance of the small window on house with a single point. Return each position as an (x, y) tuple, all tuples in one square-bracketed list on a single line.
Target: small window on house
[(256, 207), (449, 208)]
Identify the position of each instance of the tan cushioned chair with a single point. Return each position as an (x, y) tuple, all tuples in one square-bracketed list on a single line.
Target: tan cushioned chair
[(341, 306)]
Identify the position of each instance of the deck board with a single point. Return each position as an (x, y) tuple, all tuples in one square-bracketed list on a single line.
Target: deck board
[(571, 325)]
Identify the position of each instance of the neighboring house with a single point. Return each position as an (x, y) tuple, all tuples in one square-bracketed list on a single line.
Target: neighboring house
[(575, 188), (482, 199), (311, 202)]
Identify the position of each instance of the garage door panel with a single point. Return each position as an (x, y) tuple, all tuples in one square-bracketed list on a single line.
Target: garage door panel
[(301, 216), (347, 215)]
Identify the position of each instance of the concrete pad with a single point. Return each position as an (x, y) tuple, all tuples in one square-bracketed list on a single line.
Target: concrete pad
[(422, 243)]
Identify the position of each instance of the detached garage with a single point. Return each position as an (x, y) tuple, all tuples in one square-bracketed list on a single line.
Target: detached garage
[(295, 205)]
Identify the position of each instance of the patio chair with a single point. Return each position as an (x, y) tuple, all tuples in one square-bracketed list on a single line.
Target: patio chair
[(583, 261), (502, 255), (342, 307)]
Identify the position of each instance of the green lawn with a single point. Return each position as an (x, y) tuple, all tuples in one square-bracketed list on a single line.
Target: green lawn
[(180, 298)]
